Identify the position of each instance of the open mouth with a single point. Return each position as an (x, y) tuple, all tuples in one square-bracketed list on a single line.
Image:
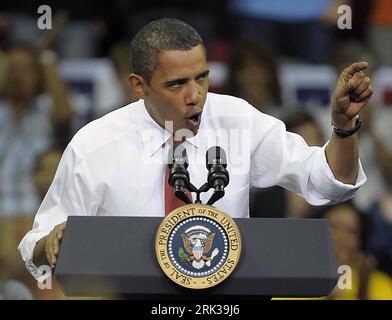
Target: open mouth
[(194, 120)]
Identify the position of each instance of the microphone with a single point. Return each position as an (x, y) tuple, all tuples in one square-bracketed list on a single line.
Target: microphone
[(179, 175), (218, 176)]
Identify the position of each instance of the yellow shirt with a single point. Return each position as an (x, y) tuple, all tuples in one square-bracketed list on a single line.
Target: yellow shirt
[(379, 288)]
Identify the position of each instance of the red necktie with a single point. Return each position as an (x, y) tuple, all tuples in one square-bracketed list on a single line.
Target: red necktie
[(171, 201)]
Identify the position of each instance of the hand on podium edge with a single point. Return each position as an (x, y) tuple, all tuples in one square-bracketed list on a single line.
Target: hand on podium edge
[(47, 249)]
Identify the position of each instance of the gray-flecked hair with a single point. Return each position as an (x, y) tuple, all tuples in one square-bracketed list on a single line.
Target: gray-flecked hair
[(159, 35)]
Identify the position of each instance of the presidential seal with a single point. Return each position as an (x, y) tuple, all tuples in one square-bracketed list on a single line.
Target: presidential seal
[(198, 246)]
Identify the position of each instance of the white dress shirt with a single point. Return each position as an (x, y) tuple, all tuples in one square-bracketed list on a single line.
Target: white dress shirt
[(115, 166)]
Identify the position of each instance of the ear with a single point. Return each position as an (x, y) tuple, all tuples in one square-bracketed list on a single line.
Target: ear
[(138, 85)]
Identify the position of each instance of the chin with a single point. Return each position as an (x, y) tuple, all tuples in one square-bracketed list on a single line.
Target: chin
[(194, 130), (186, 131)]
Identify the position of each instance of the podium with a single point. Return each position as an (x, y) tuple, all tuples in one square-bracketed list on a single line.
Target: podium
[(115, 256)]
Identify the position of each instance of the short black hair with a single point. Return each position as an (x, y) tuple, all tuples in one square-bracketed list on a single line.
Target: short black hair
[(159, 35)]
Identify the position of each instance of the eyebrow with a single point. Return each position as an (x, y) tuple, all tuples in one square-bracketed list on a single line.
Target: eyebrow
[(183, 80), (203, 74)]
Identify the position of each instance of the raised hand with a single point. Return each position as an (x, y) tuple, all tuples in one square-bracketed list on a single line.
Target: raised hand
[(352, 93)]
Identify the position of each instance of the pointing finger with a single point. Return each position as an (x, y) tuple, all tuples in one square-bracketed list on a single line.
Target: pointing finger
[(356, 67)]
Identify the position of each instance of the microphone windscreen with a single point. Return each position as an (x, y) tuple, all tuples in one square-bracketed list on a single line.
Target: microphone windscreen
[(216, 155), (177, 154)]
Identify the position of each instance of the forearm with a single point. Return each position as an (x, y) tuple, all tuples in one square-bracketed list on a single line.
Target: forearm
[(54, 85), (342, 155), (352, 93), (39, 254)]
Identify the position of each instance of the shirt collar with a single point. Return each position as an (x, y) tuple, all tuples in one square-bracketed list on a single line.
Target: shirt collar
[(155, 137)]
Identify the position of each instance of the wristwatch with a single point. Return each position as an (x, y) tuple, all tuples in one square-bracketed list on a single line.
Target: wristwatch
[(347, 133)]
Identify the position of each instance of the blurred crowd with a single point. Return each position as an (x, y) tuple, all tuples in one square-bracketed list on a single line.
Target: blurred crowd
[(282, 56)]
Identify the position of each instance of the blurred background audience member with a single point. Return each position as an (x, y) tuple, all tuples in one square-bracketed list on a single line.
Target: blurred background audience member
[(30, 121), (253, 76), (347, 231)]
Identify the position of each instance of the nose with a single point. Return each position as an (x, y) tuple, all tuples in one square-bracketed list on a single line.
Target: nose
[(193, 94)]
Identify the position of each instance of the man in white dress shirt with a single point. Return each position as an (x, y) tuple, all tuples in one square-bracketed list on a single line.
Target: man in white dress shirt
[(115, 165)]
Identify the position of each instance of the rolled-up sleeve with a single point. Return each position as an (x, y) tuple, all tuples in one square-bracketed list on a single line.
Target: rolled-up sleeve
[(283, 158), (325, 183), (26, 248), (71, 193)]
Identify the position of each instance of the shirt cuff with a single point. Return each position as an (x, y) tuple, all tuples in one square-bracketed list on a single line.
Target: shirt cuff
[(26, 248), (326, 183)]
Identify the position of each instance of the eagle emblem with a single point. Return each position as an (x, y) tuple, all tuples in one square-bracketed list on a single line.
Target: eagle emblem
[(197, 241)]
